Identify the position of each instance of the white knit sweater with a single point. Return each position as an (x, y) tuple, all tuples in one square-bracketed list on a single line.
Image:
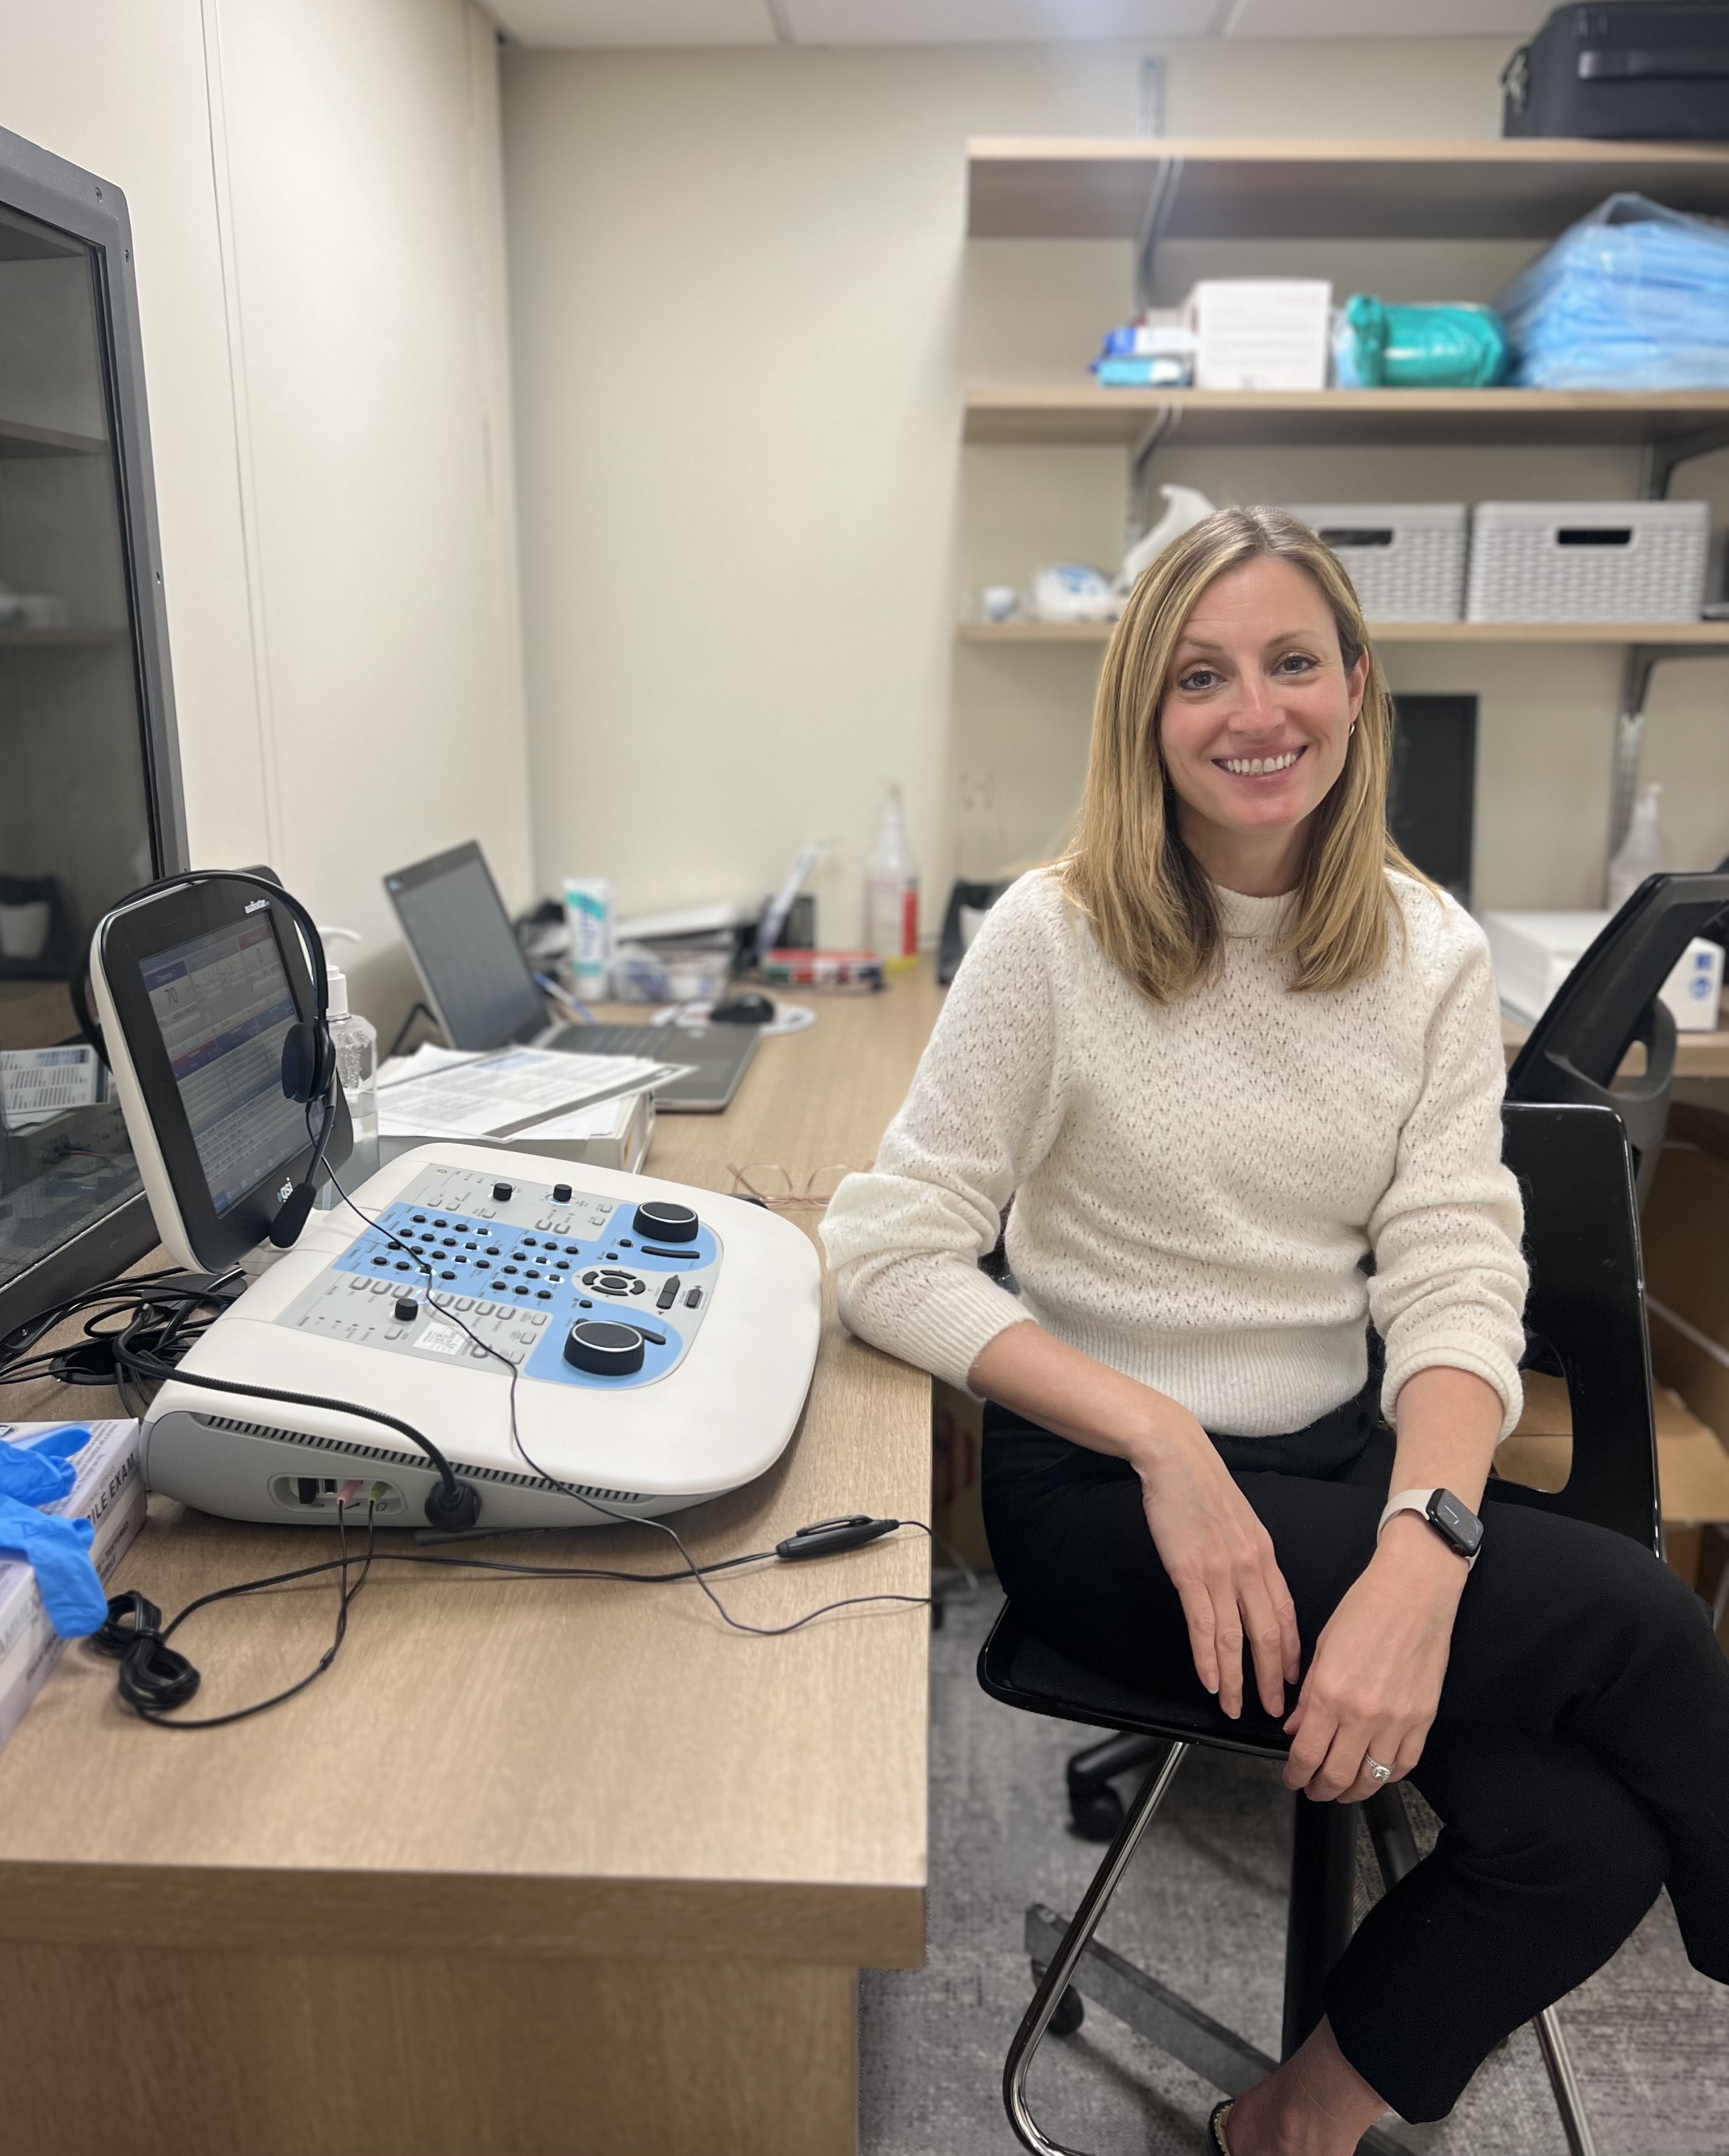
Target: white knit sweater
[(1196, 1185)]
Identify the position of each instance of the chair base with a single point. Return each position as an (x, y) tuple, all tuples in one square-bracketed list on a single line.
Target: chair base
[(1065, 1959)]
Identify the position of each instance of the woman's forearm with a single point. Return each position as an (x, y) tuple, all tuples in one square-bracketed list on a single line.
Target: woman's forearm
[(1449, 1421), (1052, 1384)]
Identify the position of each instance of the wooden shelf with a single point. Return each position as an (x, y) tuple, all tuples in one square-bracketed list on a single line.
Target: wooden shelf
[(1209, 418), (18, 440), (1704, 635), (1219, 188)]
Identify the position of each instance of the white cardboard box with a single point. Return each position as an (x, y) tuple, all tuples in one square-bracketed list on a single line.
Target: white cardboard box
[(1260, 332), (613, 1133), (109, 1492), (1534, 953)]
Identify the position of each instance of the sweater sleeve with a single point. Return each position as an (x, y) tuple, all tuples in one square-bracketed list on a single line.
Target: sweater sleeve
[(1449, 1281), (905, 1241)]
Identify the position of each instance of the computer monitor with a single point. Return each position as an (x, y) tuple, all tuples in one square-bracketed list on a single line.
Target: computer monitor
[(476, 979), (91, 803)]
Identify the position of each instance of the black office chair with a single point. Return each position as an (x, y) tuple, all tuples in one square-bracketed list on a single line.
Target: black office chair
[(1585, 1311), (1609, 1000)]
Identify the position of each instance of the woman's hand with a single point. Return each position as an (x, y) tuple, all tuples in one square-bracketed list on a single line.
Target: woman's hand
[(1218, 1554), (1219, 1558), (1375, 1682)]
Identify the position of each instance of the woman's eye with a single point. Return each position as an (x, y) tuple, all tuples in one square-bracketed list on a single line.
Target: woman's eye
[(1297, 662), (1196, 680)]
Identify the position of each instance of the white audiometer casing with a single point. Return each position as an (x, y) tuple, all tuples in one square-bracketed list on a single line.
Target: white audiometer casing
[(720, 1417)]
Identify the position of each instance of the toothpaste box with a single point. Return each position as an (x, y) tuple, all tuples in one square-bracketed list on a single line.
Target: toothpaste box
[(109, 1493)]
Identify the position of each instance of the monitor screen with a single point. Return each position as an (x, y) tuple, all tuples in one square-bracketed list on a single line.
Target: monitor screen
[(223, 1006), (466, 950)]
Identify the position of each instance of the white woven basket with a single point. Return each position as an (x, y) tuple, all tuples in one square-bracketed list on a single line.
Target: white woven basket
[(1407, 559), (1588, 560)]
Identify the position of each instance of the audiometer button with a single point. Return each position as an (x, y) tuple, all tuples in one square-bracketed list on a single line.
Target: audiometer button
[(663, 1222), (478, 1352), (393, 1333), (669, 1294), (561, 1194), (407, 1309), (535, 1317), (501, 1193), (484, 1309), (693, 1298), (604, 1350), (463, 1302)]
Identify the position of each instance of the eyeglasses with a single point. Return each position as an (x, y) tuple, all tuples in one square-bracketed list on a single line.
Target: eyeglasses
[(774, 1187)]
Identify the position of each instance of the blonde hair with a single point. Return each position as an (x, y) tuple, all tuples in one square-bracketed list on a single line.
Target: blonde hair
[(1128, 870)]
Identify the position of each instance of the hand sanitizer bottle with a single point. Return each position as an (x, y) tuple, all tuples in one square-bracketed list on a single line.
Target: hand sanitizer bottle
[(891, 890), (356, 1041)]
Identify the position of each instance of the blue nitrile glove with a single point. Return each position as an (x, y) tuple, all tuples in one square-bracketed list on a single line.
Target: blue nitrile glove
[(57, 1550), (39, 1472)]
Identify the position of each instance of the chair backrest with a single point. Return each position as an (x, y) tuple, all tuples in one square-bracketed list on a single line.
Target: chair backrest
[(1587, 1302), (1610, 999)]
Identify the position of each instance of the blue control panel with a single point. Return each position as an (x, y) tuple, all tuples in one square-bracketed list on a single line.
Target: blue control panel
[(570, 1288)]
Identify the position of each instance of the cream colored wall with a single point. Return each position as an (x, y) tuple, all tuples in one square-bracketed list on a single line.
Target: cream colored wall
[(316, 194), (743, 311)]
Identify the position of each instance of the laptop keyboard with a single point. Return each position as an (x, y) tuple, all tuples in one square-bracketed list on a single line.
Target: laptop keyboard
[(666, 1044)]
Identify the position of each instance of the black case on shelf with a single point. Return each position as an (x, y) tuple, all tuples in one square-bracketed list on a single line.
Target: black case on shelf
[(1630, 70)]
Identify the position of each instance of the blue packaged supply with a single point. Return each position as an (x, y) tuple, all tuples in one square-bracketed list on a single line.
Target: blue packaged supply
[(1380, 345), (1156, 373), (1633, 296)]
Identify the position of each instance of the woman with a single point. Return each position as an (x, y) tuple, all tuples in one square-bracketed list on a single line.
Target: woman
[(1227, 1051)]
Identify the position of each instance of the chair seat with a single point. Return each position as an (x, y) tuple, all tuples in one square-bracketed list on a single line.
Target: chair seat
[(1021, 1670)]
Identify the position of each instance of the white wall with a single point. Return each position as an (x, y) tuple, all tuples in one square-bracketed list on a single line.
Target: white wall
[(316, 194), (744, 310)]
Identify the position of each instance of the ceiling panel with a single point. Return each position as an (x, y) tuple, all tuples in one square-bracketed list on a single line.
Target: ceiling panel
[(636, 22), (1383, 18), (991, 22)]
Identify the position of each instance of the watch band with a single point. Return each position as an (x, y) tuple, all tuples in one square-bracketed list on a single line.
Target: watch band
[(1421, 1502)]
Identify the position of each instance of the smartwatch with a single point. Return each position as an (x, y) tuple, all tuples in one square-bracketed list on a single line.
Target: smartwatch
[(1453, 1520)]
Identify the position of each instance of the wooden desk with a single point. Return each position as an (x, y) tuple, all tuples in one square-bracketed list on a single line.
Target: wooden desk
[(536, 1867), (1696, 1055)]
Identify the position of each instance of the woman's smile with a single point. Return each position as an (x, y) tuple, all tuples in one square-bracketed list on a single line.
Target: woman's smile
[(1265, 766)]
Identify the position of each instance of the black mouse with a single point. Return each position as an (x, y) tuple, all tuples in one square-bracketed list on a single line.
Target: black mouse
[(743, 1011)]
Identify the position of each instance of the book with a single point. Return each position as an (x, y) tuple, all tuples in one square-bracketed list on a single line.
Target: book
[(109, 1492)]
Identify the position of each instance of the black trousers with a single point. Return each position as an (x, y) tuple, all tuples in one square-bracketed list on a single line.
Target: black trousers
[(1579, 1761)]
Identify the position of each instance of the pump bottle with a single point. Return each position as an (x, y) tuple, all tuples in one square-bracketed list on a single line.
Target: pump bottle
[(891, 890), (356, 1042)]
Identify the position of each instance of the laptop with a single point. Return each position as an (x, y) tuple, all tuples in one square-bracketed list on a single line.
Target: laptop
[(481, 989)]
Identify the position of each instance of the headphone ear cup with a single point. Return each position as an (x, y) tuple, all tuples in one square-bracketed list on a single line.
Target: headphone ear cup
[(308, 1057)]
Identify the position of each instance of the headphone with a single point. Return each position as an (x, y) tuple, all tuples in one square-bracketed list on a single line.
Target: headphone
[(309, 1054)]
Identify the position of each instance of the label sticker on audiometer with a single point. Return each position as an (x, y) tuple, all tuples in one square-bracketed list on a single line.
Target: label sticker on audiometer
[(442, 1339)]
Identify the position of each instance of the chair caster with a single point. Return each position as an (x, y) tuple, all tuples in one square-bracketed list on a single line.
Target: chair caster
[(1096, 1817), (1071, 2007)]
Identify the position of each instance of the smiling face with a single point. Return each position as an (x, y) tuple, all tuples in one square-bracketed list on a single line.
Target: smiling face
[(1256, 721)]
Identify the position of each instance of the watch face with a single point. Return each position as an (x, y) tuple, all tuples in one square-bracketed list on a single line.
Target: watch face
[(1457, 1523)]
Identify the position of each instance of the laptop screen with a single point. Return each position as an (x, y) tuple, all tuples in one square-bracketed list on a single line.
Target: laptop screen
[(466, 952)]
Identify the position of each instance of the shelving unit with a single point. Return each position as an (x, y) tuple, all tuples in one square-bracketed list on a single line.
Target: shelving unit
[(1218, 187), (1674, 423), (1150, 189)]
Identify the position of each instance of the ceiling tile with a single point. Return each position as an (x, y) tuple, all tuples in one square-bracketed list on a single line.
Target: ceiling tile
[(989, 22), (1384, 18), (636, 22)]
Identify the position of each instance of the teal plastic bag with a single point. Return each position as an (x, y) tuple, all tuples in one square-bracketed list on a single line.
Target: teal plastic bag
[(1384, 347)]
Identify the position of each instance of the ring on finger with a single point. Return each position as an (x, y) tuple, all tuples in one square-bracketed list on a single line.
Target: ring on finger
[(1375, 1771)]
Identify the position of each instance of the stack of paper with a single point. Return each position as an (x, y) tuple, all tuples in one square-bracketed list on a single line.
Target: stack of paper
[(439, 1093)]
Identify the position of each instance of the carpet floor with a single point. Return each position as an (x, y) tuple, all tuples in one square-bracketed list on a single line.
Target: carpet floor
[(1202, 1908)]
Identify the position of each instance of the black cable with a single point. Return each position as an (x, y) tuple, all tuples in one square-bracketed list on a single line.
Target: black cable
[(155, 1679), (692, 1569)]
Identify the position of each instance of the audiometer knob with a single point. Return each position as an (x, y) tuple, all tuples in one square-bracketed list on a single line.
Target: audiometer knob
[(501, 1193), (658, 1221), (561, 1194), (604, 1350)]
